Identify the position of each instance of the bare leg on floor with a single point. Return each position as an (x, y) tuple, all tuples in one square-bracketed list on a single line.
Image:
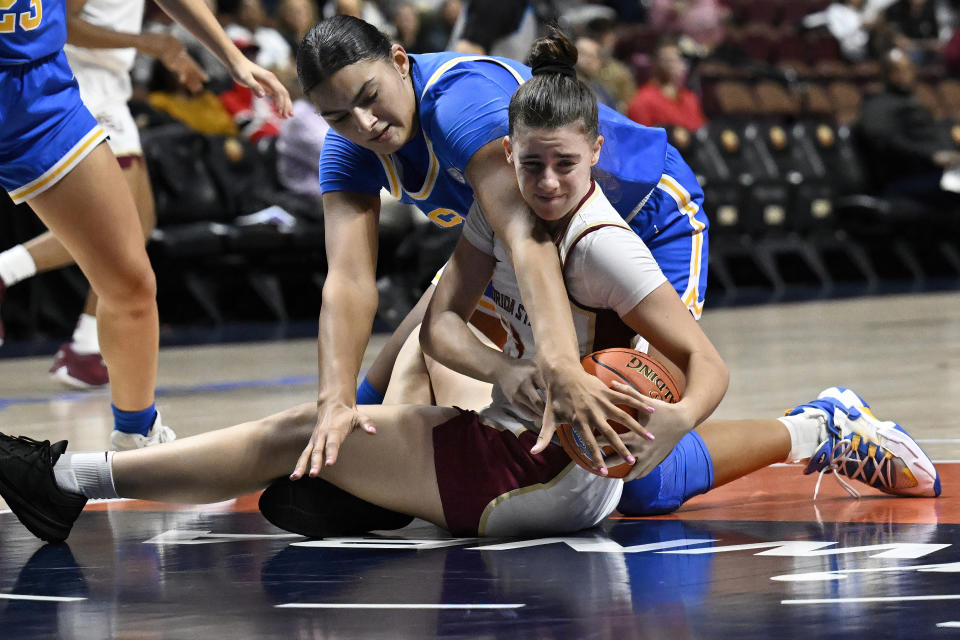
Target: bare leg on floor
[(393, 468), (739, 447)]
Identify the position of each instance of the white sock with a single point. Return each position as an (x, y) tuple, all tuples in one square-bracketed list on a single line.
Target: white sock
[(807, 431), (16, 264), (89, 474), (85, 335)]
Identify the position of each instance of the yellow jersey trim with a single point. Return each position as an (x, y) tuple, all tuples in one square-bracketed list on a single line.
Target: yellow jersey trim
[(63, 166)]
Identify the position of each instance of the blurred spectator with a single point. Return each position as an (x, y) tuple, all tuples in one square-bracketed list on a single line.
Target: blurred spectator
[(429, 6), (629, 10), (245, 21), (294, 18), (255, 117), (951, 53), (406, 22), (576, 16), (665, 100), (445, 20), (915, 27), (298, 149), (614, 76), (589, 63), (730, 50), (421, 32), (905, 150), (363, 9), (851, 23), (495, 27), (201, 111), (702, 20)]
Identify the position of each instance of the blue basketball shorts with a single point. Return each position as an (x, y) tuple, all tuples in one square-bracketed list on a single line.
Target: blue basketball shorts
[(680, 246), (45, 130), (687, 471)]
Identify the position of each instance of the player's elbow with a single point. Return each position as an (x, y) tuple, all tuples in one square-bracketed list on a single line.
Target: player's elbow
[(427, 333), (435, 331), (721, 374)]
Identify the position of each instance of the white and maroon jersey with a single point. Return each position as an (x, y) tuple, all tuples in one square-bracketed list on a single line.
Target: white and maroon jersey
[(125, 16), (607, 270)]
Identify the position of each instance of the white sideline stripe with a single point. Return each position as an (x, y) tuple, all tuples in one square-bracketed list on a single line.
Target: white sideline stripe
[(939, 440), (879, 599), (953, 624), (347, 605), (17, 596)]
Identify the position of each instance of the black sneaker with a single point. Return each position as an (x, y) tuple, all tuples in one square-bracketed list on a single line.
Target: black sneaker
[(28, 487), (315, 508)]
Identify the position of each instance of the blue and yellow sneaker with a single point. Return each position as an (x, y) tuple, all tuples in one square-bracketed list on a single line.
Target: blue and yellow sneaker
[(861, 447)]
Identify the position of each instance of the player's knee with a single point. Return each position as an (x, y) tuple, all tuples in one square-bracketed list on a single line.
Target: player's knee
[(133, 292), (294, 425), (687, 471), (646, 497)]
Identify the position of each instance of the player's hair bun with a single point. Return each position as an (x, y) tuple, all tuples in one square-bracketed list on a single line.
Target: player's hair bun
[(553, 53)]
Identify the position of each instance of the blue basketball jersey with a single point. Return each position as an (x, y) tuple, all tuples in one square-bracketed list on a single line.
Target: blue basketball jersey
[(31, 29), (463, 103)]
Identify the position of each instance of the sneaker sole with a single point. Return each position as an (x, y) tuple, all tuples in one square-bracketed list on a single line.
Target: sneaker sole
[(899, 443), (46, 529), (63, 377)]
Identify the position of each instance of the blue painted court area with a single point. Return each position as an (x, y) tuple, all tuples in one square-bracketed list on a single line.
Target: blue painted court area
[(192, 574), (168, 391)]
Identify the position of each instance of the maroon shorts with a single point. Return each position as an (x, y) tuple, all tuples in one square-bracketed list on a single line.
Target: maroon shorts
[(478, 464)]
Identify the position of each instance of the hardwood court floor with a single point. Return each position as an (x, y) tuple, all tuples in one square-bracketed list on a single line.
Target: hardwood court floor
[(756, 558)]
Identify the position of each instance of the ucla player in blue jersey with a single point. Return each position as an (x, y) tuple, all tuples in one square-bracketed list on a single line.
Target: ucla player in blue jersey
[(428, 128), (482, 473), (103, 37), (52, 157)]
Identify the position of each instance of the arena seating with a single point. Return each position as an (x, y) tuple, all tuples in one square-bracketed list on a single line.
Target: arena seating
[(791, 208)]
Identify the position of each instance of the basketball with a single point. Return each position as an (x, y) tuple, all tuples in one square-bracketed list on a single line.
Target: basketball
[(641, 372)]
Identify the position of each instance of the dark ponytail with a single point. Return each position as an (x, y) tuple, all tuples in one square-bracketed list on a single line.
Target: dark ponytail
[(554, 97), (335, 43)]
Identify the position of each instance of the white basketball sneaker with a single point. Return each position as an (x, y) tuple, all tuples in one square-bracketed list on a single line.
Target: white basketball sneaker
[(158, 434)]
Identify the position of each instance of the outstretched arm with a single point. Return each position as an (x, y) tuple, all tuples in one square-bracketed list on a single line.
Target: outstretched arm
[(197, 18), (346, 318), (162, 46)]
